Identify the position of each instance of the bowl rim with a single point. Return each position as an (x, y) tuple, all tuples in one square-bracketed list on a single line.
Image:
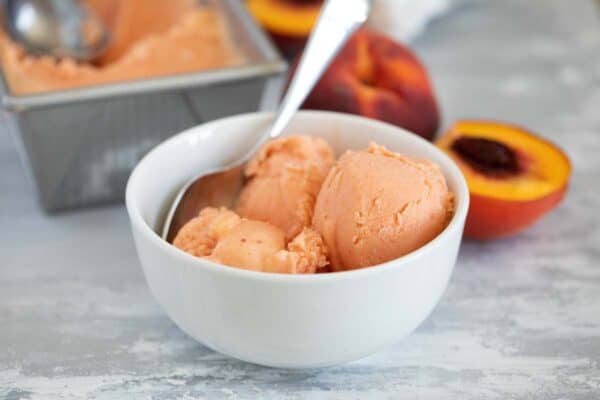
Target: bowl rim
[(461, 192)]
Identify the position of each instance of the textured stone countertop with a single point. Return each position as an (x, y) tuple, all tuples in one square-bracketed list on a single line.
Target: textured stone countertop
[(520, 318)]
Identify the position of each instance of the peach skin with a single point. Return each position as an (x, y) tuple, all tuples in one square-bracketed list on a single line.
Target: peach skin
[(376, 77)]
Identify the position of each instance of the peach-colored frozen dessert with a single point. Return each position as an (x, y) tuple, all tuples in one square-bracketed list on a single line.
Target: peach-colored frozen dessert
[(284, 180), (376, 205), (302, 212), (220, 235), (149, 38)]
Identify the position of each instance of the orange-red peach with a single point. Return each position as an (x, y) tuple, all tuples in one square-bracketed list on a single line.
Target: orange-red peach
[(376, 77)]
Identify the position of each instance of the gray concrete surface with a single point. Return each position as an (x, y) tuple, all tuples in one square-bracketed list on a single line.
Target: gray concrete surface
[(520, 319)]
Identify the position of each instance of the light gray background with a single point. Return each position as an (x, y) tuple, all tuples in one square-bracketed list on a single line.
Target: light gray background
[(520, 319)]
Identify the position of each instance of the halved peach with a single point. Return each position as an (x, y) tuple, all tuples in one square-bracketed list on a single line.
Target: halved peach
[(288, 21), (514, 176)]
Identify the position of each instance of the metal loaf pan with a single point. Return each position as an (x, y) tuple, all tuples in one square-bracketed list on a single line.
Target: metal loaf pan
[(81, 145)]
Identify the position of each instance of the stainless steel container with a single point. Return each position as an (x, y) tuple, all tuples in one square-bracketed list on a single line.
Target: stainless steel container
[(80, 145)]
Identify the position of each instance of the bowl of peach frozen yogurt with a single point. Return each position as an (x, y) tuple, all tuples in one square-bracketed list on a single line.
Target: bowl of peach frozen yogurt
[(341, 241)]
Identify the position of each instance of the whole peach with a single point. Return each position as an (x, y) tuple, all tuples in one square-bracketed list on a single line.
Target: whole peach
[(379, 78)]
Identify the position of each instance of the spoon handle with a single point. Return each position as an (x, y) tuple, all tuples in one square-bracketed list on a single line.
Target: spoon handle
[(338, 20)]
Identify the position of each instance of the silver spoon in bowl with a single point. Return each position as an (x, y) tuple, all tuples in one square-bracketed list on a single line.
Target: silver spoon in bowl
[(338, 20), (61, 28)]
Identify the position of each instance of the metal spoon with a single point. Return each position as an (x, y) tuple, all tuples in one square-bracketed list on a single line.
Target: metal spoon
[(338, 20), (61, 28)]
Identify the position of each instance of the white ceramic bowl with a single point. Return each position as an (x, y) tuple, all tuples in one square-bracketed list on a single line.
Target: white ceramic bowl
[(286, 320)]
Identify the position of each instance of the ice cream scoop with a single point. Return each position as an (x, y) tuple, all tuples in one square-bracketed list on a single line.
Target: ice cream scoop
[(339, 19), (62, 28), (376, 205), (220, 235), (284, 179)]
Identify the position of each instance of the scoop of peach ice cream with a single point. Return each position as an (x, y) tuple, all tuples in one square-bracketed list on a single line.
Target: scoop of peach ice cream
[(284, 180), (200, 235), (220, 235), (376, 205), (132, 21)]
